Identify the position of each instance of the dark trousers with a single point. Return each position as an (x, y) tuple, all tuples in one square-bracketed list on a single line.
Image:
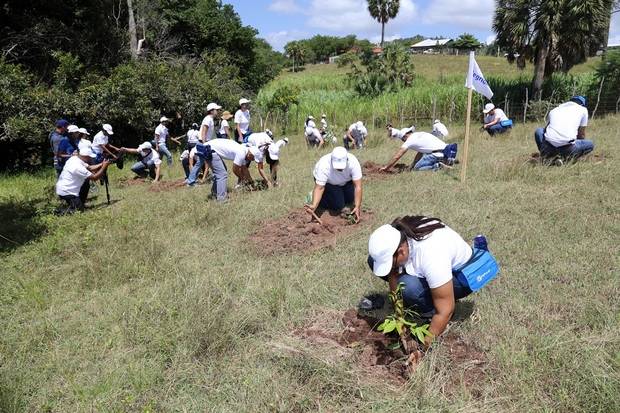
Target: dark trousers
[(335, 197)]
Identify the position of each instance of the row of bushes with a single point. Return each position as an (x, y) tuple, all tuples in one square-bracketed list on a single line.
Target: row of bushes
[(132, 99)]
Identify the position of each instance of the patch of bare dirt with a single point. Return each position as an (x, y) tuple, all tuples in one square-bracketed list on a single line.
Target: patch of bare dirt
[(298, 232), (358, 341), (166, 186), (373, 170), (132, 181)]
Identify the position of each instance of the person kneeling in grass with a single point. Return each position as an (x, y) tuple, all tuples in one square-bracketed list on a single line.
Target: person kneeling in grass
[(429, 147), (338, 182), (214, 153), (564, 137), (149, 163), (434, 264), (495, 120), (74, 180)]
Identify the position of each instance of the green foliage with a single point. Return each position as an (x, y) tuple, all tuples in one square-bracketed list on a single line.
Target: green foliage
[(296, 52), (68, 71), (390, 71), (383, 11), (466, 41), (400, 321), (609, 70), (347, 59), (280, 102)]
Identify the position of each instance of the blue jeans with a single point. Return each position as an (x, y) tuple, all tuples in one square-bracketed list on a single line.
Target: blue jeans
[(497, 128), (220, 175), (141, 169), (335, 197), (417, 293), (428, 162), (163, 151), (575, 150)]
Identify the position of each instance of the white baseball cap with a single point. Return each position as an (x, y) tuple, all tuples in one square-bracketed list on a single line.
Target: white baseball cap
[(488, 107), (274, 148), (382, 245), (405, 131), (87, 150), (108, 128), (269, 132), (359, 124), (244, 100), (84, 131), (144, 146), (323, 116), (212, 106), (164, 119), (340, 157), (72, 129), (436, 121), (310, 117)]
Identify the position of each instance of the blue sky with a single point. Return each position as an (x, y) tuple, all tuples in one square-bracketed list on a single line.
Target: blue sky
[(280, 21)]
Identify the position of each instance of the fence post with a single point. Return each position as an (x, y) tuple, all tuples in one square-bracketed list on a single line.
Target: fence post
[(434, 108), (525, 106), (598, 96), (617, 104)]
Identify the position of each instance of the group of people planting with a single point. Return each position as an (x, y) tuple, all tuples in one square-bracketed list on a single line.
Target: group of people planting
[(433, 265)]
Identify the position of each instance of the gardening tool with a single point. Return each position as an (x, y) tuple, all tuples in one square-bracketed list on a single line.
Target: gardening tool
[(315, 216)]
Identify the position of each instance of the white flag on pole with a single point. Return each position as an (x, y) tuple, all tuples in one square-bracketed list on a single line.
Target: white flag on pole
[(475, 79)]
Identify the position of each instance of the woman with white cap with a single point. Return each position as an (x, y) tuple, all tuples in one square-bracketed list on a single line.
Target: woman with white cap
[(495, 120), (338, 182), (242, 121), (102, 145), (439, 129), (357, 134), (433, 263), (207, 128), (161, 138), (149, 163), (313, 135)]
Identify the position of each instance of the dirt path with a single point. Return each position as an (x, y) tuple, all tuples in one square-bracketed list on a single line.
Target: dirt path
[(372, 170), (297, 232)]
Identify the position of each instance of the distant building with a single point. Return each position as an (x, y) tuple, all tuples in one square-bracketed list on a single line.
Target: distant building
[(432, 46), (377, 50)]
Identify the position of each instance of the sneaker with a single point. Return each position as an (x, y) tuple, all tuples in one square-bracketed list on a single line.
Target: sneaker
[(557, 162)]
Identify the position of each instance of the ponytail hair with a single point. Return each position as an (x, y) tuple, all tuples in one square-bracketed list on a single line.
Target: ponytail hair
[(417, 227)]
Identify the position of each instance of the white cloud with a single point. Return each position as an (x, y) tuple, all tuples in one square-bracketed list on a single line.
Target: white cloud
[(490, 39), (285, 6), (351, 16), (468, 14), (277, 40), (614, 29)]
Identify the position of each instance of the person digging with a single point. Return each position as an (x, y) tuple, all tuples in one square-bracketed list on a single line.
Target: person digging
[(338, 183)]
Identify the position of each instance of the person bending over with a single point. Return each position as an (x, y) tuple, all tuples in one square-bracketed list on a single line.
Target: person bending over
[(313, 135), (431, 151), (149, 163), (564, 137), (356, 135), (74, 180), (338, 182)]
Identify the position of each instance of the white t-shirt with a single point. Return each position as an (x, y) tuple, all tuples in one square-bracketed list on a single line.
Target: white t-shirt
[(184, 154), (99, 140), (193, 136), (323, 123), (192, 153), (162, 131), (259, 139), (498, 114), (434, 257), (440, 130), (242, 118), (152, 156), (72, 177), (424, 142), (223, 126), (358, 131), (231, 150), (208, 122), (324, 173), (310, 126), (564, 122)]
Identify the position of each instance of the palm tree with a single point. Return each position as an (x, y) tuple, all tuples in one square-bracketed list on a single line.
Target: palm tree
[(553, 34), (383, 11), (295, 51)]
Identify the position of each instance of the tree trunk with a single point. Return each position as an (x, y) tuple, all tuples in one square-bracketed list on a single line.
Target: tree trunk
[(133, 35), (382, 33), (539, 69)]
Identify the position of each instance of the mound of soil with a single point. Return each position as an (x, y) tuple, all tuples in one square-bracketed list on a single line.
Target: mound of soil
[(372, 169), (370, 350), (299, 233), (165, 186), (131, 181)]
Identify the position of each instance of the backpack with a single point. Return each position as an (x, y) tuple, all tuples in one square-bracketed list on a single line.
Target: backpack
[(449, 153), (204, 151)]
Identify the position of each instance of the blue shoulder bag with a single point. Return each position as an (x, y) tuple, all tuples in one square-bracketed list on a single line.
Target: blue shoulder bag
[(479, 270), (204, 151), (506, 123)]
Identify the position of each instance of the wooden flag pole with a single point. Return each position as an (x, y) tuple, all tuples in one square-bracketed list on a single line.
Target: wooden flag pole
[(467, 122)]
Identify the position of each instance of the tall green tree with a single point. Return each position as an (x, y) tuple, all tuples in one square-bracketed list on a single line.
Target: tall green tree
[(296, 52), (552, 34), (383, 11), (466, 41)]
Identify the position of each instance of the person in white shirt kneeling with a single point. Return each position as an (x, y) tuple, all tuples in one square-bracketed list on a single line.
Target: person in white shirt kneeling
[(338, 182), (564, 137), (73, 183), (495, 120), (433, 153)]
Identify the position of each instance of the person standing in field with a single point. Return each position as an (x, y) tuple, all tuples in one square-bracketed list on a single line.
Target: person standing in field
[(57, 135), (357, 134), (495, 120), (74, 181), (434, 264), (564, 137), (338, 183), (224, 130), (242, 121), (161, 138), (324, 125), (431, 151), (193, 136), (102, 145), (207, 128), (439, 129), (313, 135)]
